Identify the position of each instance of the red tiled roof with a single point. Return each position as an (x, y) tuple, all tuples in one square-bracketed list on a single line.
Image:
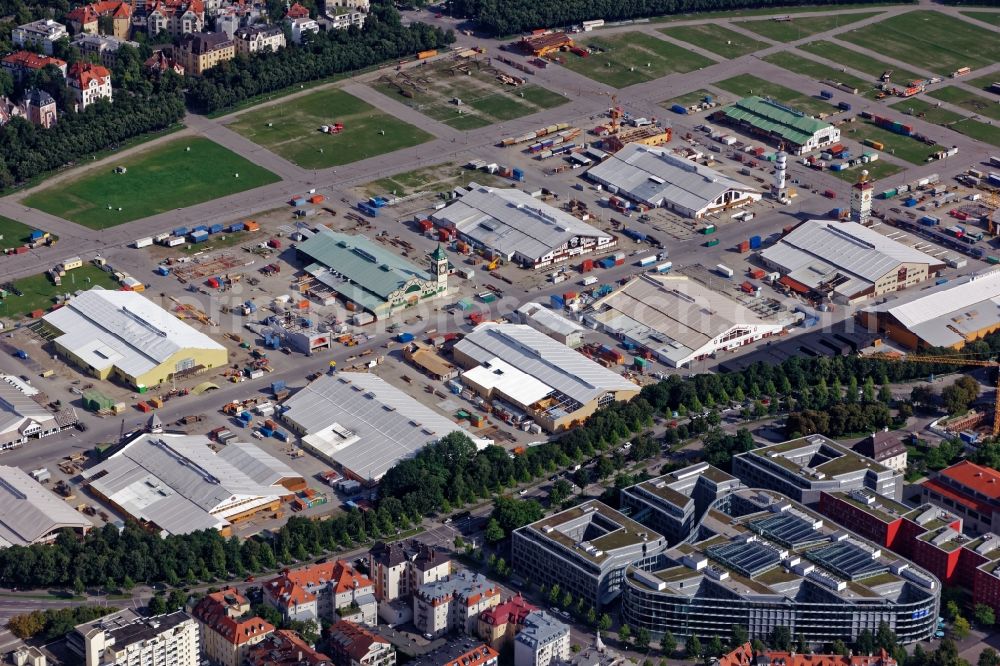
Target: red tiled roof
[(90, 13), (744, 656), (221, 612), (353, 639), (82, 73), (294, 583), (297, 11), (981, 479), (32, 60), (285, 648), (961, 498), (513, 610)]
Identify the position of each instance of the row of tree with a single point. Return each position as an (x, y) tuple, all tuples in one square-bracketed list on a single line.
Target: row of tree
[(505, 17), (53, 623), (322, 55)]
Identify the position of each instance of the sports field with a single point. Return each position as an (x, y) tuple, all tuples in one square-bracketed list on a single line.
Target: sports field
[(292, 130), (986, 17), (179, 173), (39, 292), (928, 39), (842, 55), (876, 170), (633, 57), (464, 93), (717, 39), (968, 101), (904, 147), (819, 71), (14, 234), (748, 84), (802, 27)]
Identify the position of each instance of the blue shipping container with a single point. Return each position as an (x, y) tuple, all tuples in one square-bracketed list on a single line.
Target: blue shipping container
[(200, 227), (607, 262), (826, 94), (405, 337), (181, 231), (266, 432), (236, 226), (557, 301), (281, 435), (215, 229), (199, 236), (910, 203), (677, 108), (278, 385), (754, 242), (162, 270), (844, 106), (36, 234)]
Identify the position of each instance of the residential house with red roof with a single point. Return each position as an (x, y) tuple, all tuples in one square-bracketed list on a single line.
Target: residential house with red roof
[(498, 625), (87, 18), (161, 62), (297, 11), (744, 655), (969, 490), (285, 648), (89, 83), (175, 17), (453, 603), (327, 591), (20, 63), (227, 634), (351, 644)]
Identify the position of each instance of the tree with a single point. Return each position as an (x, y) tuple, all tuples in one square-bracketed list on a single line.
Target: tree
[(668, 644), (604, 623), (692, 647), (959, 395), (865, 643), (78, 587), (567, 600), (740, 634), (642, 638), (960, 628), (554, 592), (758, 645), (512, 514), (157, 605), (494, 533), (951, 610), (715, 647), (984, 615), (885, 639), (624, 633), (591, 615), (922, 396), (781, 639), (839, 647), (988, 657)]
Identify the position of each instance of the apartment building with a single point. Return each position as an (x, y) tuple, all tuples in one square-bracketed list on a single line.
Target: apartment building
[(259, 39), (328, 591), (399, 568), (39, 35), (353, 645), (89, 83), (544, 640), (227, 629), (303, 26), (453, 603), (499, 625), (285, 648), (202, 51), (162, 640), (585, 550)]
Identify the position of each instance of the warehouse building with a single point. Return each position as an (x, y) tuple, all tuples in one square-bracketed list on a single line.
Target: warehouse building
[(846, 262), (517, 227), (803, 468), (654, 177), (21, 417), (759, 560), (950, 315), (30, 514), (679, 320), (363, 424), (176, 484), (530, 374), (122, 335), (368, 276), (585, 550), (552, 324), (779, 124)]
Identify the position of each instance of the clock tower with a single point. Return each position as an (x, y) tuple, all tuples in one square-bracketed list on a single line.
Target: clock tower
[(439, 267)]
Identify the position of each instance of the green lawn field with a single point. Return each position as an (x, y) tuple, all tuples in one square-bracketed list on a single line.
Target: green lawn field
[(842, 55), (985, 82), (438, 178), (904, 147), (748, 84), (968, 101), (819, 71), (947, 118), (39, 291), (931, 40), (14, 233), (765, 11), (179, 173), (802, 27), (717, 39), (986, 17), (624, 59), (291, 129), (876, 171), (690, 98), (435, 89)]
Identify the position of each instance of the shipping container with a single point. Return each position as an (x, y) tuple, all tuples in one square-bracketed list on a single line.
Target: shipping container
[(586, 282), (826, 94), (215, 229), (181, 231), (235, 226), (678, 109), (712, 243), (143, 242), (755, 242), (844, 106), (664, 267), (724, 270), (174, 241), (646, 261), (587, 265)]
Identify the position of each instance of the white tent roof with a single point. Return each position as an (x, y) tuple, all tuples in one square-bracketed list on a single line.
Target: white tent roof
[(29, 512)]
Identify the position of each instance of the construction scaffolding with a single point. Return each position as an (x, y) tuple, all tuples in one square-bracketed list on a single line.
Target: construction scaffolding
[(209, 266)]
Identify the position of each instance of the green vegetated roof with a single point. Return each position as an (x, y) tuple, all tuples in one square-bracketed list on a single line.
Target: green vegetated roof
[(770, 116)]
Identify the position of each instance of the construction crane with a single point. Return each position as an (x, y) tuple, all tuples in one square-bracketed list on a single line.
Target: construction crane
[(951, 360)]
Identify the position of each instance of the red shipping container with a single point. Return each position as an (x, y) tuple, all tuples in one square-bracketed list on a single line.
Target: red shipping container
[(587, 266), (37, 314), (317, 199), (619, 262), (569, 295), (426, 225), (744, 247), (443, 235), (212, 282), (22, 249), (757, 273), (274, 242)]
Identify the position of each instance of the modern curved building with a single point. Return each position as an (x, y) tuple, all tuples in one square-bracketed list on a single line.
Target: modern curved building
[(759, 560)]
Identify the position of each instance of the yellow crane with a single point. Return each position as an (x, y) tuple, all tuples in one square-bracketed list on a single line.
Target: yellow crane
[(951, 360)]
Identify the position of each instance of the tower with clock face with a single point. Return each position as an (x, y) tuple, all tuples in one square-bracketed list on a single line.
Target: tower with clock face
[(439, 267)]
